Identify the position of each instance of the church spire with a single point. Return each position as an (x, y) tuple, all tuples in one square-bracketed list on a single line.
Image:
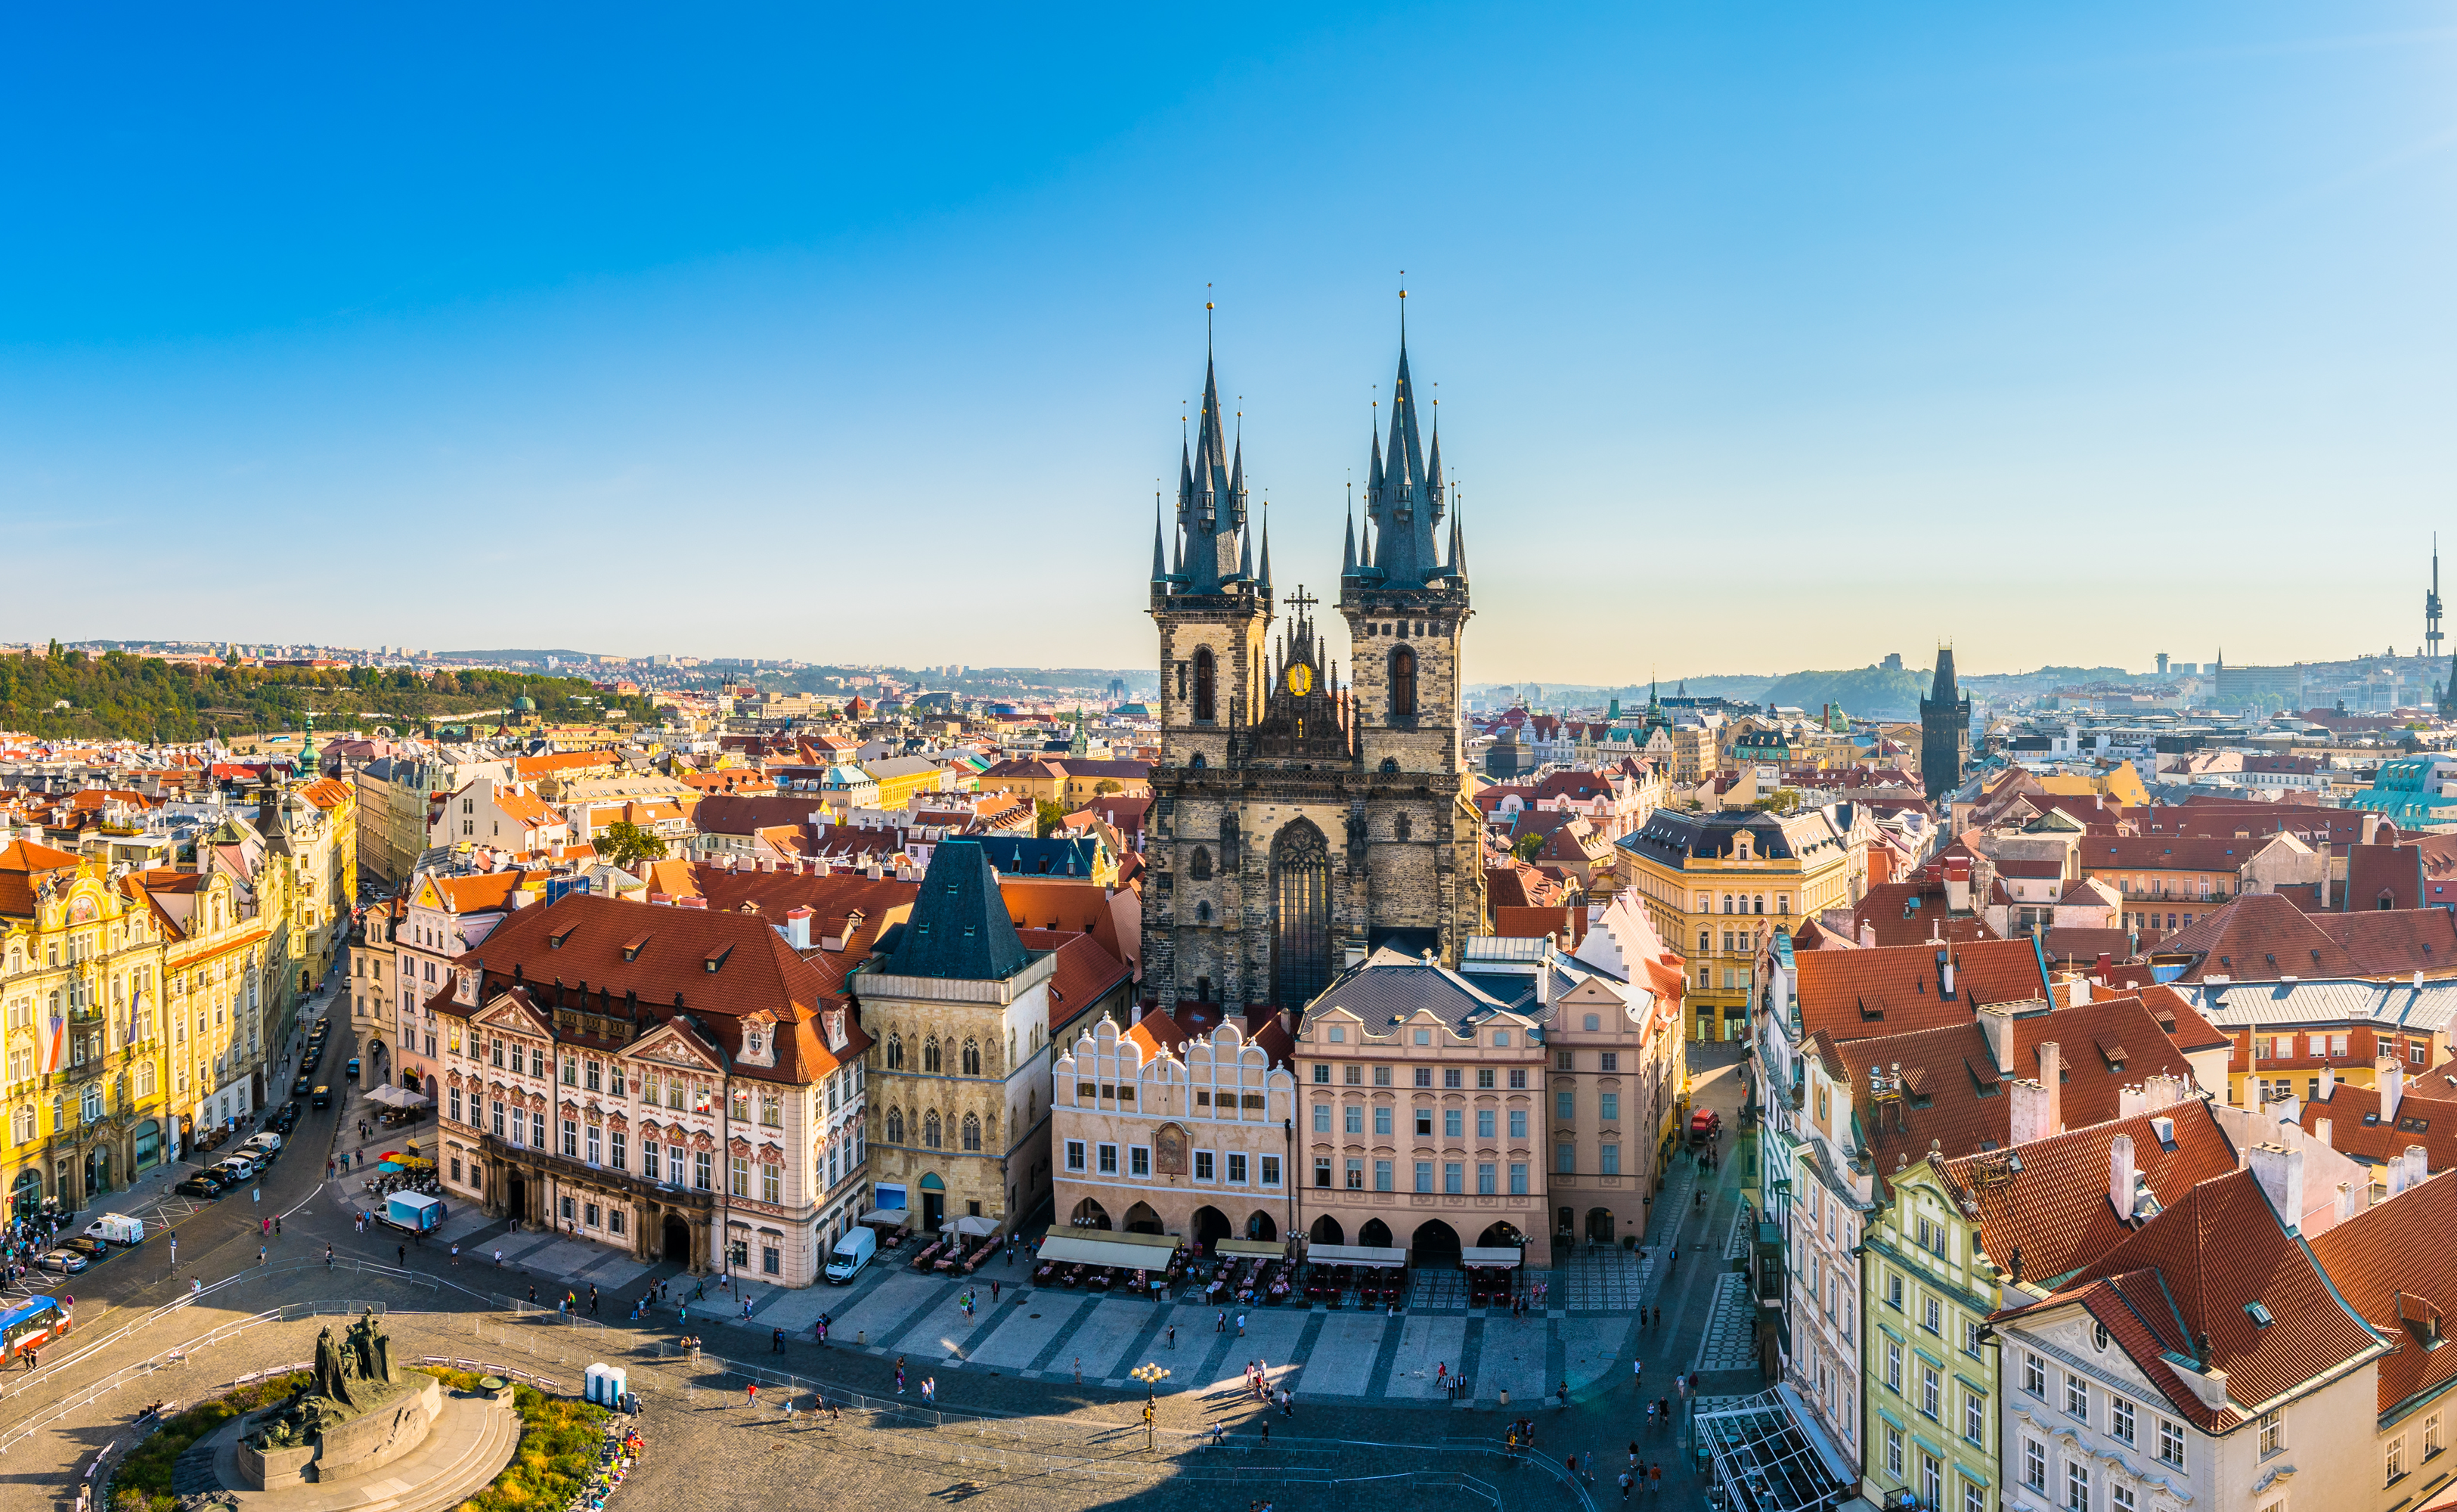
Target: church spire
[(1347, 552), (1160, 563), (1266, 551), (1210, 497)]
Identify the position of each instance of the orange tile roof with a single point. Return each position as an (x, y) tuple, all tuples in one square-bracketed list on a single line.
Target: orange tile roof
[(2394, 1265), (1086, 970), (2184, 1284), (2054, 1214), (2355, 1127), (1852, 993), (1957, 1098)]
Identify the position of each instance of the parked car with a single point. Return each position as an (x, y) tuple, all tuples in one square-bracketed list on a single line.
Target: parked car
[(235, 1168), (299, 1087), (92, 1250), (284, 1117), (353, 1068), (324, 1097), (264, 1144), (200, 1185), (67, 1262)]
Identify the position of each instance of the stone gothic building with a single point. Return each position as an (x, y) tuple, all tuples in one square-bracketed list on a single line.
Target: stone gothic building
[(1297, 824), (1945, 731)]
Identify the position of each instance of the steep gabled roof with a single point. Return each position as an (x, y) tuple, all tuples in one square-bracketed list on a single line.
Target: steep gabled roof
[(2394, 1264), (2356, 1127), (2044, 1209), (2261, 937), (2185, 1284), (960, 927)]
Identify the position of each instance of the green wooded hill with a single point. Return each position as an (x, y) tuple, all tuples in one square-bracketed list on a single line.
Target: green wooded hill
[(1866, 691), (120, 696)]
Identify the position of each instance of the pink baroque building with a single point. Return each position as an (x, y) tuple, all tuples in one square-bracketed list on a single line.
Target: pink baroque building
[(1423, 1120)]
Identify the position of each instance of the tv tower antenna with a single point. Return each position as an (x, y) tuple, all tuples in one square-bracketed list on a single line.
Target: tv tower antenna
[(2431, 636)]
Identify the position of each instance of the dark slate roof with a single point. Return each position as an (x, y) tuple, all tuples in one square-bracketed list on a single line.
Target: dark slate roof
[(1021, 855), (958, 927), (1388, 985)]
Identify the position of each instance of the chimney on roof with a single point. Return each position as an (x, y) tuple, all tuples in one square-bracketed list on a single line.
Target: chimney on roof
[(2392, 1090), (1867, 932), (1996, 1022), (2051, 1076), (2119, 1175), (2288, 1109), (797, 928), (2280, 1171), (2130, 1102), (2371, 827), (2080, 993), (2030, 1112), (2347, 1201), (2328, 1082)]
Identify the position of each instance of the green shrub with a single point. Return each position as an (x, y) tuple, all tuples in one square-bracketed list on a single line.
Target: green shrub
[(142, 1482), (558, 1450)]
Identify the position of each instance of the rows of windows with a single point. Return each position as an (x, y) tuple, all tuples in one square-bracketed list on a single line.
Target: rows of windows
[(1489, 1176), (2122, 1420), (1453, 1078), (1233, 1168)]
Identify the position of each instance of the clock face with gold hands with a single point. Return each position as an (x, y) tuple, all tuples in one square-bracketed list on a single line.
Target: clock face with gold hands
[(1300, 679)]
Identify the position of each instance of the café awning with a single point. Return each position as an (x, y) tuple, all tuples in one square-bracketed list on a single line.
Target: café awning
[(1504, 1258), (1354, 1255), (1073, 1250), (970, 1227), (1264, 1247)]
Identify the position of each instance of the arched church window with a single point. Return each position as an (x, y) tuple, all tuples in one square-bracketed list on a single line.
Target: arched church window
[(972, 1058), (930, 1054), (1205, 684), (1402, 827), (896, 1125), (1300, 914), (972, 1133), (1199, 866), (1203, 913), (930, 1129), (896, 1052), (1403, 683), (1391, 766)]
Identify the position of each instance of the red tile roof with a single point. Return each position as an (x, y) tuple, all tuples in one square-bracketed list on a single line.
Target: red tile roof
[(2184, 1284), (1910, 912), (2054, 1214), (2355, 1127), (1852, 993), (1959, 1098), (2261, 937), (2394, 1265), (1086, 971)]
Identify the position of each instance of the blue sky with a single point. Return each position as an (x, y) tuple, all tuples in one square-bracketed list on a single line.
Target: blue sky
[(1765, 337)]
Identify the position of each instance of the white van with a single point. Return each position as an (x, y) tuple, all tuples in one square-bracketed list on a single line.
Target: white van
[(117, 1227), (852, 1252), (265, 1140)]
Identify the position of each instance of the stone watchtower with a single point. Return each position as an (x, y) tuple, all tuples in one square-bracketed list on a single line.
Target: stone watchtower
[(1295, 826), (1945, 731)]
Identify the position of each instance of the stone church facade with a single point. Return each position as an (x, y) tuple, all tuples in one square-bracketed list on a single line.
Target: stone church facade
[(1297, 824)]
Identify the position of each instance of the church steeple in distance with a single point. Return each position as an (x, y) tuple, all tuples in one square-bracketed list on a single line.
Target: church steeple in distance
[(1945, 731)]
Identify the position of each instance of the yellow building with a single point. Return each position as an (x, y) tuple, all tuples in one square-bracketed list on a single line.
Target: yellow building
[(216, 976), (81, 1074), (1714, 883)]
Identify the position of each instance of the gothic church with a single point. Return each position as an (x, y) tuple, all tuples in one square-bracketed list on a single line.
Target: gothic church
[(1297, 825)]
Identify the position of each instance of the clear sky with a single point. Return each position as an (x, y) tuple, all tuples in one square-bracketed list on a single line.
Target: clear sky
[(1767, 337)]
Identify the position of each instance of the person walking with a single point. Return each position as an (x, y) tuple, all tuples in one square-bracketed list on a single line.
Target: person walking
[(1240, 1325), (260, 1254), (899, 1375), (1172, 1336), (776, 1342), (592, 1299), (1625, 1486), (1220, 1324), (751, 1395), (930, 1390), (994, 1291), (1655, 1479), (401, 1252)]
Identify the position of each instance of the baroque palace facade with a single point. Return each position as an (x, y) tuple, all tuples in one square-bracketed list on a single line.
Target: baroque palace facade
[(1296, 826)]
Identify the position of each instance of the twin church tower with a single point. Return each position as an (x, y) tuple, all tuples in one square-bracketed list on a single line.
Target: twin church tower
[(1296, 826)]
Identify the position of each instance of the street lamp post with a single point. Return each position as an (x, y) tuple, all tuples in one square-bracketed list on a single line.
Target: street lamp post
[(1151, 1376)]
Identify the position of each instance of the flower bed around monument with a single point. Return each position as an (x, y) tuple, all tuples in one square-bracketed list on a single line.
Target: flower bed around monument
[(142, 1482), (560, 1440)]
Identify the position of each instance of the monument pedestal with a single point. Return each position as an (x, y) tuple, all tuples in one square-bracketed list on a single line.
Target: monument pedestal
[(394, 1424)]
